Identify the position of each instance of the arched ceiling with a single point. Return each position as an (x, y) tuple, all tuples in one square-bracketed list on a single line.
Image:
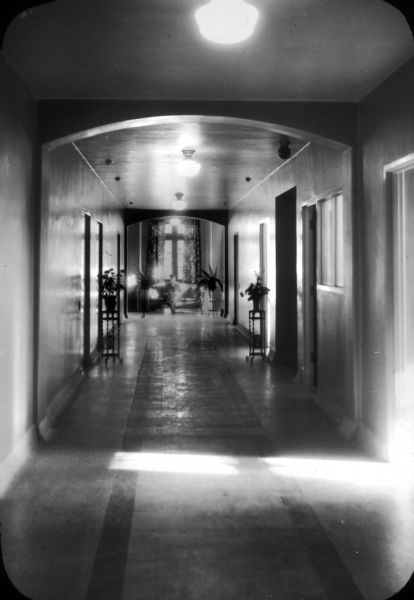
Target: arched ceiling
[(139, 164)]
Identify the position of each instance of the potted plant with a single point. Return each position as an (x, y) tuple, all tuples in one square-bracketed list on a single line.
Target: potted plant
[(210, 279), (215, 287), (111, 284), (145, 283), (255, 292)]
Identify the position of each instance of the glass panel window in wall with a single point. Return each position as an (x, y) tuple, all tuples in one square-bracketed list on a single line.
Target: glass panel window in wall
[(325, 242), (339, 240), (168, 259), (180, 259), (331, 240)]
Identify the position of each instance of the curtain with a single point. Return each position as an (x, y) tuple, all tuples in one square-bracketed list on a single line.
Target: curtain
[(155, 265), (192, 250), (155, 249)]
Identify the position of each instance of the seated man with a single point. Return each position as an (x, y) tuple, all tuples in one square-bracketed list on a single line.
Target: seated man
[(172, 292)]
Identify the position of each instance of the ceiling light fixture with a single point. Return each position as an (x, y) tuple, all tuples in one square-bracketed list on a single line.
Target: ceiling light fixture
[(188, 167), (226, 21), (188, 139), (284, 150), (178, 203)]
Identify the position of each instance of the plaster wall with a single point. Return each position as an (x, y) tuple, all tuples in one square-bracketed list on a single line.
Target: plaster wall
[(17, 211), (386, 134), (316, 171), (212, 247), (69, 187)]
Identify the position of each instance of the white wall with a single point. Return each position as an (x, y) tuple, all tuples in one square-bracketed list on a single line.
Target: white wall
[(386, 134), (212, 247), (317, 170), (17, 212), (68, 187)]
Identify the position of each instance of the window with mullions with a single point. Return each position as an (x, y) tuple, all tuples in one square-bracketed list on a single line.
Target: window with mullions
[(331, 240), (174, 251)]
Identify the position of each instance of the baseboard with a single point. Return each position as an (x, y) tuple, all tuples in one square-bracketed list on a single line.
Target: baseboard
[(59, 403), (22, 451), (243, 330), (17, 458), (346, 426), (363, 437), (94, 357), (372, 444)]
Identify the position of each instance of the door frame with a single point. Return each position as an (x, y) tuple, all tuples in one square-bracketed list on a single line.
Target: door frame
[(396, 298), (310, 293), (263, 270), (86, 285), (236, 283), (286, 278), (100, 273)]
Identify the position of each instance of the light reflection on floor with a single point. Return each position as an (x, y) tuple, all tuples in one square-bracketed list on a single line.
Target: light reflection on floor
[(174, 463), (355, 472), (368, 473)]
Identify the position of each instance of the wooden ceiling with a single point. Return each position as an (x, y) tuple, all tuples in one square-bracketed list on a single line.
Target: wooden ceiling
[(234, 157)]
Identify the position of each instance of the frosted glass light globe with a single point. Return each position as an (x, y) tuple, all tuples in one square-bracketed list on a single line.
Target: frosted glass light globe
[(178, 204), (188, 167), (226, 21)]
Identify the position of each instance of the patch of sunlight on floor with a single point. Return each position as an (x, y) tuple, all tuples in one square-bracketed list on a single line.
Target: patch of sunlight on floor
[(174, 463), (353, 471)]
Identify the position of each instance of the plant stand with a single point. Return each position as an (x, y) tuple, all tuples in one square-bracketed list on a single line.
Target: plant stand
[(257, 334), (213, 308), (110, 336)]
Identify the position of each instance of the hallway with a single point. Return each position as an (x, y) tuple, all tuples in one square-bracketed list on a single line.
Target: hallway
[(187, 473)]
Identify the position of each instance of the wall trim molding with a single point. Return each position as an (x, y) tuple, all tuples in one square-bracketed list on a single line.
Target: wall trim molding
[(59, 403), (351, 430), (372, 443), (27, 445), (16, 459)]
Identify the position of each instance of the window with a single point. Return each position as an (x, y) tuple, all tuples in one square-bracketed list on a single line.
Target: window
[(174, 251), (331, 240), (168, 259)]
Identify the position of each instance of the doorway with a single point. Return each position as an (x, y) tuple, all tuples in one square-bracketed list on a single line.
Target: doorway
[(100, 272), (118, 270), (309, 233), (400, 178), (286, 338), (86, 284), (236, 277)]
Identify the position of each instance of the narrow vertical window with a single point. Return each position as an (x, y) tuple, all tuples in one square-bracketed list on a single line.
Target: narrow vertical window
[(180, 259), (325, 237), (339, 240), (331, 240), (168, 259)]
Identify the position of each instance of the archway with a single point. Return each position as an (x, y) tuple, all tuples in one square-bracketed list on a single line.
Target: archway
[(177, 244)]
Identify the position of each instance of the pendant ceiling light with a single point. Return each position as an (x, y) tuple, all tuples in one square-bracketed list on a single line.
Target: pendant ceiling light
[(226, 21), (188, 167), (178, 203)]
